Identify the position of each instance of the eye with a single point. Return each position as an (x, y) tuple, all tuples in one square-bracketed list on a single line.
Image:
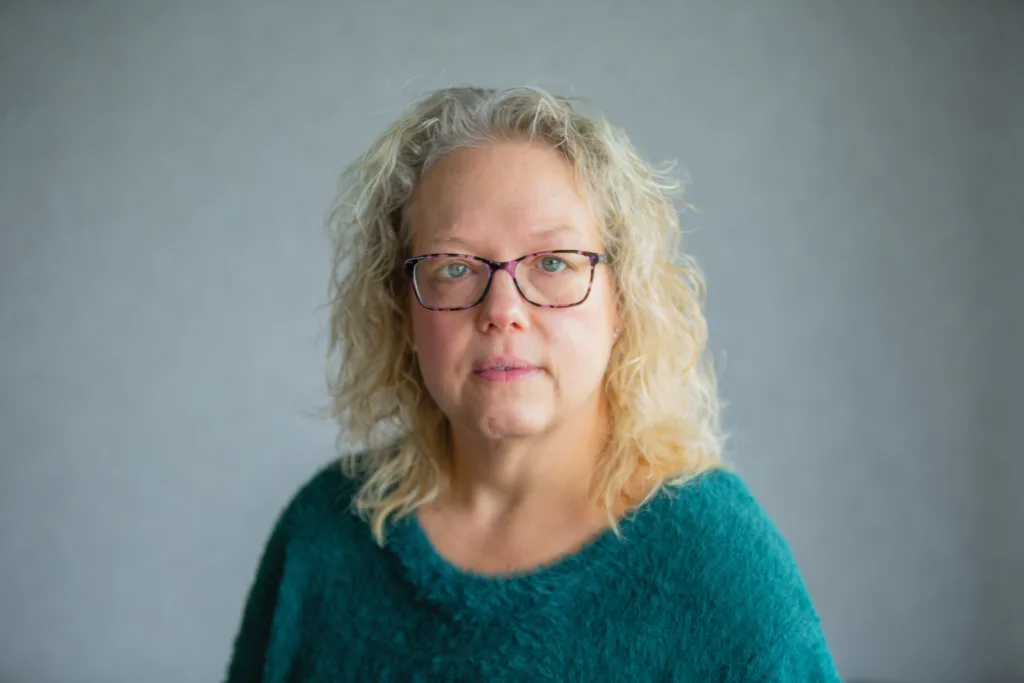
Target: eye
[(453, 271), (553, 264)]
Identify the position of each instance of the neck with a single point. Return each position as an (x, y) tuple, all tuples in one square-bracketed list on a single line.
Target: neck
[(497, 477)]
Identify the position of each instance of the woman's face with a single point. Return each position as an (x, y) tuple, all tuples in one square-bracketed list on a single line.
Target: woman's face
[(501, 202)]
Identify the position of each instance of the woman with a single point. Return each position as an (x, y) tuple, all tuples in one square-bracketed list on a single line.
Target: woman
[(538, 492)]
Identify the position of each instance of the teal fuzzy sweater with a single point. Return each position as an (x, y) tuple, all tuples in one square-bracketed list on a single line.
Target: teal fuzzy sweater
[(701, 587)]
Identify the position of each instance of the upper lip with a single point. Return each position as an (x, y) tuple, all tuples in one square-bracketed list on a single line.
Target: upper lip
[(509, 362)]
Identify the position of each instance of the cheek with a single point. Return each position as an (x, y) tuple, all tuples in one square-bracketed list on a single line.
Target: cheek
[(581, 343), (439, 340), (426, 325)]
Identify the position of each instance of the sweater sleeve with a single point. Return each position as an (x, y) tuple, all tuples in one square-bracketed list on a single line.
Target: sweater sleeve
[(757, 623), (801, 657), (253, 639)]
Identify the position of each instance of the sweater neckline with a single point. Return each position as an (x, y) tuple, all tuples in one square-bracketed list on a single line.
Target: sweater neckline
[(550, 587)]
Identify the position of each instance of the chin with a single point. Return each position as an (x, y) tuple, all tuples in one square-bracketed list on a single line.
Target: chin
[(512, 424)]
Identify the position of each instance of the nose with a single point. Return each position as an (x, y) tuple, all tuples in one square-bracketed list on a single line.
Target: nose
[(503, 308)]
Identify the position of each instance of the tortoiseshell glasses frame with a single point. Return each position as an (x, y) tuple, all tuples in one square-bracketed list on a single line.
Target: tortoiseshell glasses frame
[(508, 266)]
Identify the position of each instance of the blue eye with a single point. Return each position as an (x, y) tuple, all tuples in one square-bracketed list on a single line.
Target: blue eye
[(552, 264), (454, 270)]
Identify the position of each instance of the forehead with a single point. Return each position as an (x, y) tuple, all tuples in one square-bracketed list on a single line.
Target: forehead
[(505, 196)]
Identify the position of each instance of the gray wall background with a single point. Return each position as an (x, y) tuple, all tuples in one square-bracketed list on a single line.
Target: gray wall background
[(165, 169)]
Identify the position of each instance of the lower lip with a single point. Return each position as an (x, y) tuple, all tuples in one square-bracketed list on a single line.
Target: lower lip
[(506, 375)]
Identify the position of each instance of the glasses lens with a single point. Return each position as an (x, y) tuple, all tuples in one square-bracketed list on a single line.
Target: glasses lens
[(449, 281), (554, 279)]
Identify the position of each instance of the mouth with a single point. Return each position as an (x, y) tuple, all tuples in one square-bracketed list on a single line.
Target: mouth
[(504, 369)]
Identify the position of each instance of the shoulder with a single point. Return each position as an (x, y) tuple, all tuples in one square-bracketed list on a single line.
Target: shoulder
[(327, 489), (321, 505), (314, 531), (727, 560), (716, 518), (717, 512)]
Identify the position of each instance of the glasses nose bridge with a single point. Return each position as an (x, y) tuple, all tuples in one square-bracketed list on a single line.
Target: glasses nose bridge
[(507, 266)]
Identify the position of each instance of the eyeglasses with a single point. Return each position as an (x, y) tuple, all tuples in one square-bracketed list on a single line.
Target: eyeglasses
[(548, 279)]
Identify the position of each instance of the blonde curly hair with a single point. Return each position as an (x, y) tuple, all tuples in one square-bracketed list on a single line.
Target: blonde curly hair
[(660, 382)]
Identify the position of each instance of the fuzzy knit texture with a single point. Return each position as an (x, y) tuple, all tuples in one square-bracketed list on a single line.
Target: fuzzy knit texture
[(701, 587)]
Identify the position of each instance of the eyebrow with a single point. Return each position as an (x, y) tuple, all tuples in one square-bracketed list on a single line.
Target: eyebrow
[(548, 233)]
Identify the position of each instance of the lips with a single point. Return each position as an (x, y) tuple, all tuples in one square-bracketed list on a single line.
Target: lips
[(503, 363), (504, 369)]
